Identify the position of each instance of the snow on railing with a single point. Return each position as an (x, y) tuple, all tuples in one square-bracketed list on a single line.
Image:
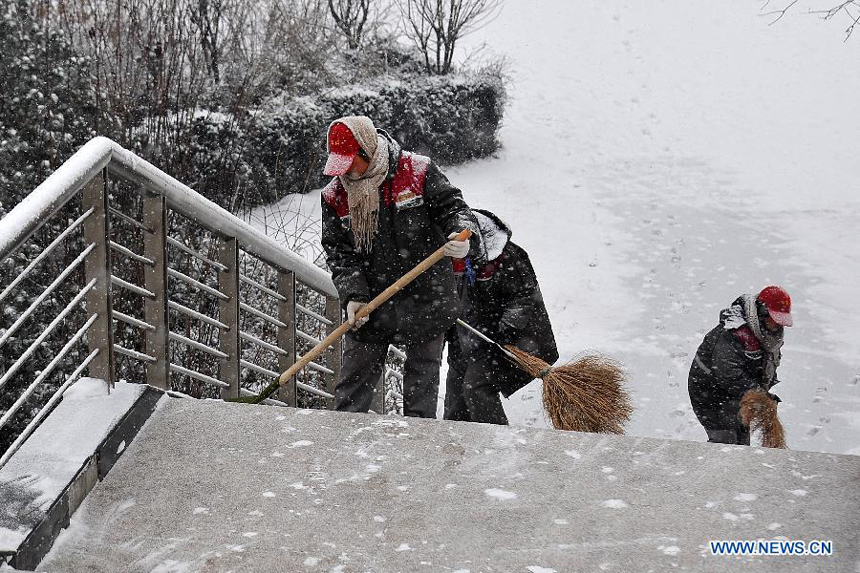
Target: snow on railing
[(247, 306), (102, 152)]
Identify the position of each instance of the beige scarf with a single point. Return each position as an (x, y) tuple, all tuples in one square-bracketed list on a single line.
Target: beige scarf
[(771, 341), (363, 191)]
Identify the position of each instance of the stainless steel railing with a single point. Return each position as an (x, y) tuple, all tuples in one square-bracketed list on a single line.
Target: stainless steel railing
[(217, 309)]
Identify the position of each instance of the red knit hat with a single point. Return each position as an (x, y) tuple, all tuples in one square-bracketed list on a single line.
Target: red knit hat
[(342, 149)]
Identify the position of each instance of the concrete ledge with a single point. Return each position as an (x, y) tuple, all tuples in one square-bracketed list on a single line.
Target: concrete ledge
[(215, 487), (46, 481)]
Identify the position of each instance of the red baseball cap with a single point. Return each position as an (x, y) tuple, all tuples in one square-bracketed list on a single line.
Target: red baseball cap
[(342, 149), (778, 304)]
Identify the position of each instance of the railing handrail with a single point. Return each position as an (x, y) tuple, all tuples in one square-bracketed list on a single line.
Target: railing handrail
[(102, 168), (100, 153)]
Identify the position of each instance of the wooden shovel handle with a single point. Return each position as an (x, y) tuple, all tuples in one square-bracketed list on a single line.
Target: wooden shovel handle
[(377, 301)]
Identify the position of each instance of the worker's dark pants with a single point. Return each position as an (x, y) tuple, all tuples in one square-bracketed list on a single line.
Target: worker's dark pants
[(473, 385), (363, 363), (717, 414), (739, 435), (722, 423)]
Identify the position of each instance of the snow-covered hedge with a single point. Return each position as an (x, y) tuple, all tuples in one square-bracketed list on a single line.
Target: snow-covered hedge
[(451, 118), (280, 149)]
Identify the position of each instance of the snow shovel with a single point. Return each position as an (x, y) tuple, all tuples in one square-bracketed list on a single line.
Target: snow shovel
[(343, 328), (586, 395)]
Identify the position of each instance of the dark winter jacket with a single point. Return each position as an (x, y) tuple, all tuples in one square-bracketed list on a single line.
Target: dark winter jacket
[(418, 209), (729, 362), (501, 297)]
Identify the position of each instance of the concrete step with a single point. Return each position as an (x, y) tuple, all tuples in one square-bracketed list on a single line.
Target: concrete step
[(44, 482), (217, 487)]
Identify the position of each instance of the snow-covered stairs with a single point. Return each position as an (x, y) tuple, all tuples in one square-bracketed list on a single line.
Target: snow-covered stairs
[(211, 486), (45, 481)]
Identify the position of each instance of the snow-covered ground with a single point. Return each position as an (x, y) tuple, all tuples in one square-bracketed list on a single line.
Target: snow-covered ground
[(661, 158)]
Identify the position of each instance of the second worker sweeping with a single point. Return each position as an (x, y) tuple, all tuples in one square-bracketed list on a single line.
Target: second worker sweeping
[(501, 299)]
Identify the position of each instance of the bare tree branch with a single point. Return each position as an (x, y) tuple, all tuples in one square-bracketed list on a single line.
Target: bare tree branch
[(844, 6), (435, 26), (350, 16), (780, 12)]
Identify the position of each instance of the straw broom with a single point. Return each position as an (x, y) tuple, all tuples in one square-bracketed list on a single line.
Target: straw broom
[(758, 413), (586, 395)]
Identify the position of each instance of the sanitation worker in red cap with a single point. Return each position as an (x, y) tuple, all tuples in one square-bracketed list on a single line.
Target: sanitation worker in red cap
[(384, 212), (741, 353)]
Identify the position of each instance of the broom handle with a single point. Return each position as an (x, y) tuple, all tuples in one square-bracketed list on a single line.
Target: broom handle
[(370, 307), (474, 330)]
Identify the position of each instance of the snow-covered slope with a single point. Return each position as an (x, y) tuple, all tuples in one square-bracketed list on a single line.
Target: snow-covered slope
[(661, 158)]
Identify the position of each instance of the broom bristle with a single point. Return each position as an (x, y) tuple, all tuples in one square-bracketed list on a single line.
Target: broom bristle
[(585, 396), (758, 413)]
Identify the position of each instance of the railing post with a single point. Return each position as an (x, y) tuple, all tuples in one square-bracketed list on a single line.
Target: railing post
[(97, 266), (378, 402), (155, 280), (228, 313), (287, 336), (334, 354)]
